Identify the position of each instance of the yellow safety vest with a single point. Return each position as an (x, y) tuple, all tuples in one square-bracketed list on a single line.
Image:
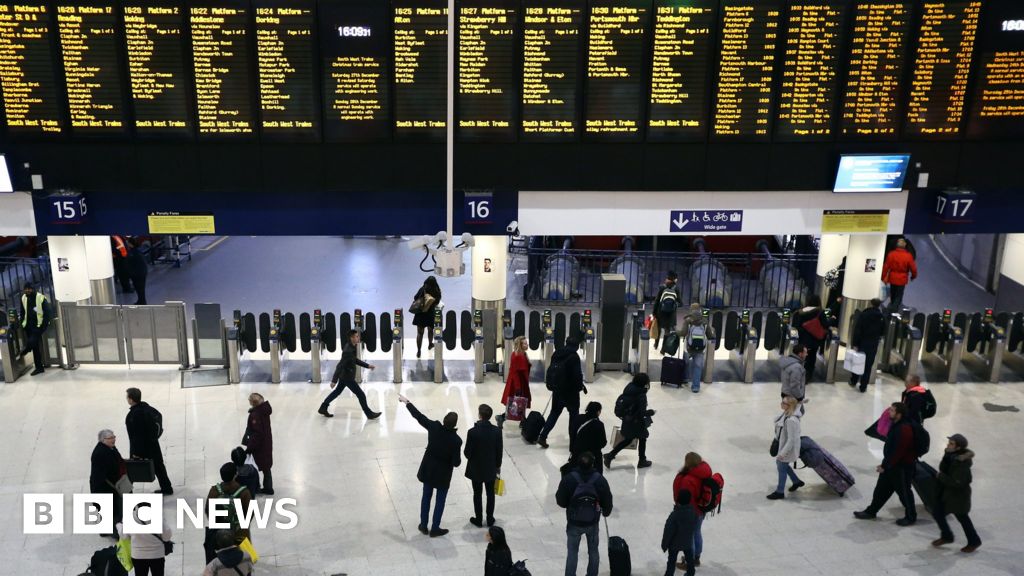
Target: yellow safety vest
[(39, 310)]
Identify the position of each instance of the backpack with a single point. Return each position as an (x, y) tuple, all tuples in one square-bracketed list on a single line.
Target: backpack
[(104, 562), (922, 440), (930, 406), (696, 338), (710, 501), (158, 419), (668, 302), (232, 513), (623, 406), (519, 569), (556, 376), (584, 508)]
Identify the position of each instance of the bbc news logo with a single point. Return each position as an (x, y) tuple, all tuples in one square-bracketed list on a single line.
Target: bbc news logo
[(144, 513)]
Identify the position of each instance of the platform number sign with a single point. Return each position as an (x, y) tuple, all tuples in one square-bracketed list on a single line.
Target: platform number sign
[(955, 206), (478, 205), (68, 208)]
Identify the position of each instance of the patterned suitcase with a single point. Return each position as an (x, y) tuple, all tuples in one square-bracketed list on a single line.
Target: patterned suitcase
[(831, 470), (673, 371)]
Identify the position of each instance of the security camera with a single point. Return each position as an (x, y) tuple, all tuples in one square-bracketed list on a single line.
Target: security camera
[(419, 242), (513, 228), (468, 239)]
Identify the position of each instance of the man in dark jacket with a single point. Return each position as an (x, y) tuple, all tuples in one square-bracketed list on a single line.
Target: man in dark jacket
[(586, 496), (565, 393), (631, 407), (259, 439), (678, 534), (803, 319), (666, 305), (483, 463), (106, 469), (955, 496), (896, 472), (439, 460), (867, 332), (345, 375), (137, 269), (915, 396), (144, 432), (35, 319)]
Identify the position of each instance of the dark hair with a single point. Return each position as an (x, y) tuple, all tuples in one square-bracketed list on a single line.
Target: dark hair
[(683, 497), (225, 539), (228, 472), (238, 456), (572, 343), (672, 275), (28, 286), (352, 333), (485, 412), (593, 408), (432, 283), (798, 349), (642, 380), (814, 300), (875, 302), (135, 395), (451, 420), (585, 460), (498, 540), (900, 408)]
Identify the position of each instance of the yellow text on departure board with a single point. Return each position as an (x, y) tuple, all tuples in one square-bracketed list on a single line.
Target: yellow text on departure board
[(876, 68), (26, 69), (550, 60)]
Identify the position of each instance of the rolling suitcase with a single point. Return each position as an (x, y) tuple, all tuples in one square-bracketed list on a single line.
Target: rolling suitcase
[(926, 483), (533, 424), (826, 465), (618, 554), (673, 371)]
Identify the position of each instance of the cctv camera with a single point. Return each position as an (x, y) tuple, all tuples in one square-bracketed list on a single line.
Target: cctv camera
[(468, 240), (419, 242), (513, 228)]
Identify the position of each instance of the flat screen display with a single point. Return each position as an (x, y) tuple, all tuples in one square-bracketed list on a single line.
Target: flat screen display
[(867, 173)]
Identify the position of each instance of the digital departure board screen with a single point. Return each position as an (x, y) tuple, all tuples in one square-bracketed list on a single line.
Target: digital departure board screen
[(551, 62), (486, 101), (91, 68), (877, 60), (220, 59), (998, 103), (421, 47), (615, 68), (354, 42), (679, 69), (749, 33), (866, 173), (284, 64), (942, 65), (27, 80), (810, 70), (156, 68)]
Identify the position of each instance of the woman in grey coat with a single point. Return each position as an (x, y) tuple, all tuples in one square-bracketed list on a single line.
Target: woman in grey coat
[(787, 432)]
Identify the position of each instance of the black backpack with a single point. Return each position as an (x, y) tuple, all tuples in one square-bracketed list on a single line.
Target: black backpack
[(930, 406), (585, 508), (922, 440), (668, 302), (519, 569), (557, 375), (623, 406)]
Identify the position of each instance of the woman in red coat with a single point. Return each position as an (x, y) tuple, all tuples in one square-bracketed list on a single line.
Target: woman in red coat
[(259, 439), (691, 477), (517, 381)]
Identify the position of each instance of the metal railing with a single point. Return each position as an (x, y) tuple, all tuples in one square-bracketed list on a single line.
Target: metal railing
[(560, 277), (108, 334), (15, 272)]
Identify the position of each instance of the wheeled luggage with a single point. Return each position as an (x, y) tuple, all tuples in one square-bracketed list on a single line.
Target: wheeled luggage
[(618, 554), (926, 483), (533, 424), (673, 371), (831, 470)]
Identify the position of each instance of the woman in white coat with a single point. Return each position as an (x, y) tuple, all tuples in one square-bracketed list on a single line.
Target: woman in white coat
[(787, 433)]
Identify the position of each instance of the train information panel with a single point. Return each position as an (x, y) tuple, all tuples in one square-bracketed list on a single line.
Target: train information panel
[(487, 70), (551, 62), (876, 64), (679, 69), (810, 70), (26, 70), (421, 46), (998, 108), (92, 78), (354, 43), (615, 68), (942, 66), (284, 58), (220, 59), (749, 35), (156, 68)]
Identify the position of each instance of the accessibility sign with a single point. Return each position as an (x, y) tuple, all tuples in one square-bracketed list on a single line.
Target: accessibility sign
[(706, 221)]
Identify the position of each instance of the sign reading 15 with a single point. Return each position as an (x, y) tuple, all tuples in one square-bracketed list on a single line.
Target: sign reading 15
[(71, 209)]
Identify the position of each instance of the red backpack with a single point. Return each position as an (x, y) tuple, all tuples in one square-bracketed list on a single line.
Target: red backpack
[(710, 501)]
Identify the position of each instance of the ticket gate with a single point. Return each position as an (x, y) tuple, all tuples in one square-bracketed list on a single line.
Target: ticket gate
[(11, 343), (549, 338), (944, 344), (507, 337), (277, 346), (242, 337), (901, 348), (438, 346), (590, 346), (478, 347), (714, 342), (1015, 342), (985, 342), (311, 338), (397, 337), (779, 334), (831, 354), (742, 337)]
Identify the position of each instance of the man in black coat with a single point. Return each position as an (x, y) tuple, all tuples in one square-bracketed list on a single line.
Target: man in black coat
[(636, 419), (345, 377), (144, 437), (483, 463), (442, 456), (583, 509), (137, 269), (590, 436), (565, 393), (106, 469), (867, 332)]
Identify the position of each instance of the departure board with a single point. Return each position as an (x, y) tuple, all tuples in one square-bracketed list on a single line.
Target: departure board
[(487, 69), (876, 64), (749, 33), (156, 68), (91, 68), (26, 70), (998, 103), (551, 58), (810, 70), (220, 59), (616, 76), (942, 65), (354, 66), (679, 69), (284, 64), (421, 48)]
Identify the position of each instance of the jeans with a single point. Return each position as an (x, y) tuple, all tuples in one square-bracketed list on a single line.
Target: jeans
[(896, 479), (557, 405), (268, 480), (573, 535), (673, 557), (356, 389), (442, 495), (868, 377), (785, 470), (479, 488), (698, 538), (939, 512), (696, 369), (147, 567)]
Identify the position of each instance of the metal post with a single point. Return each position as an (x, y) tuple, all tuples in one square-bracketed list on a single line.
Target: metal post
[(832, 356), (275, 359), (478, 356), (995, 354), (749, 350), (438, 356), (709, 357), (643, 351), (315, 375), (450, 125), (396, 355), (956, 354), (234, 373)]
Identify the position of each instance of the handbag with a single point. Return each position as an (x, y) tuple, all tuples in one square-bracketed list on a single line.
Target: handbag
[(617, 439), (124, 553), (168, 545), (774, 449), (122, 486), (855, 362), (416, 307), (880, 428), (499, 486), (516, 408), (246, 546), (814, 328)]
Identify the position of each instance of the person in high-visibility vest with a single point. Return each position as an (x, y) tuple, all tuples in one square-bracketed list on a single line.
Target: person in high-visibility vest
[(35, 318)]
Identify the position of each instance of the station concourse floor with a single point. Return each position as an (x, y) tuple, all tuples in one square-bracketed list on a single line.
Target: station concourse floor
[(358, 497)]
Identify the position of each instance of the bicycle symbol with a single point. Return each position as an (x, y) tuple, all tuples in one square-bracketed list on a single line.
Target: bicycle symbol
[(721, 217)]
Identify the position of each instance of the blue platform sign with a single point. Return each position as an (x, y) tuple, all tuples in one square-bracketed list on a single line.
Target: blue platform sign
[(700, 221), (68, 208)]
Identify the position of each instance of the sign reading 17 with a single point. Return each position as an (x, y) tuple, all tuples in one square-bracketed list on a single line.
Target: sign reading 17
[(959, 206)]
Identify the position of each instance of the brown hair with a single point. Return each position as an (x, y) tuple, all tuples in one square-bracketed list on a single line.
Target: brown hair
[(691, 461)]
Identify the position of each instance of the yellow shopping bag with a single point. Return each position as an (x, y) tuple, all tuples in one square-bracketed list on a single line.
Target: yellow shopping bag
[(124, 553), (499, 486), (246, 546)]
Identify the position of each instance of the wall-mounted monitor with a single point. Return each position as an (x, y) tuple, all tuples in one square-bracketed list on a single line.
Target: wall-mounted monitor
[(871, 173)]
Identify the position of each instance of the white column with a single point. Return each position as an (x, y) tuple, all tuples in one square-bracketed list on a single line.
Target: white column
[(490, 272), (863, 280), (101, 269), (831, 250), (70, 267)]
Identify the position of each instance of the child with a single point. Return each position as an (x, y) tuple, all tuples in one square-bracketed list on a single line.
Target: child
[(248, 475), (678, 535)]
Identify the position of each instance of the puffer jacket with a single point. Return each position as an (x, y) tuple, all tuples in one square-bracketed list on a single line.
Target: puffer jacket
[(693, 481), (955, 478), (634, 425), (787, 430), (793, 382)]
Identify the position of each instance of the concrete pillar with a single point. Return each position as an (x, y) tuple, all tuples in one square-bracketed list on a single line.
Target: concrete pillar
[(863, 279), (490, 274), (70, 269), (831, 250), (101, 269)]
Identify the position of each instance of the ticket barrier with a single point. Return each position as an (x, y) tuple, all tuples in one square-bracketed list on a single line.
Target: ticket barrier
[(316, 345), (508, 337), (742, 339), (241, 338), (779, 334), (438, 347), (276, 347), (478, 347), (986, 341), (14, 364), (944, 342), (831, 354), (901, 348), (590, 346), (549, 338), (714, 328), (1015, 342), (397, 338)]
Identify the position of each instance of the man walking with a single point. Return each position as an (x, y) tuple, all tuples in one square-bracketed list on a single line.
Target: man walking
[(483, 463), (145, 426), (867, 332), (666, 304), (919, 400), (586, 496), (899, 269), (440, 459), (695, 335), (35, 319), (345, 375), (565, 381), (631, 407), (896, 472)]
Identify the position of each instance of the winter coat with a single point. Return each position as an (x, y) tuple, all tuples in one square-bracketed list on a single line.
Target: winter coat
[(567, 487), (663, 318), (227, 560), (425, 317), (635, 424), (135, 264), (806, 314), (483, 452), (787, 430), (693, 481), (899, 268), (793, 382), (142, 432), (345, 371), (443, 453), (899, 445), (590, 436), (259, 438), (574, 372), (497, 561), (914, 399), (869, 328), (106, 469), (518, 381), (691, 319), (679, 528), (955, 480)]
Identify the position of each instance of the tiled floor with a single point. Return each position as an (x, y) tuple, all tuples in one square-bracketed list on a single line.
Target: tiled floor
[(358, 496)]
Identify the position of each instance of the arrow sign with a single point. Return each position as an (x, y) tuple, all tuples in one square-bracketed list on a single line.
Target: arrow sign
[(702, 221)]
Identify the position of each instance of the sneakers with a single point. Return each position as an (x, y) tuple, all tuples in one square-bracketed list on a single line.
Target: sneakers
[(796, 486), (942, 542), (776, 496), (644, 464), (970, 548), (476, 522), (906, 521), (863, 515), (438, 532), (323, 412), (608, 461)]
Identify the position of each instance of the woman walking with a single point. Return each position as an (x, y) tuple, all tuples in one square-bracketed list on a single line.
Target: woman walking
[(590, 436), (517, 381), (428, 297), (691, 479), (259, 439), (787, 447)]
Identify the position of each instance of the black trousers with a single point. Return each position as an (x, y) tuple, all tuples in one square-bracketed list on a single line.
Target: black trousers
[(147, 567), (895, 480), (870, 351), (965, 522), (34, 344), (356, 390), (139, 281), (161, 470), (268, 480), (896, 296), (557, 405), (810, 362), (481, 487), (627, 440)]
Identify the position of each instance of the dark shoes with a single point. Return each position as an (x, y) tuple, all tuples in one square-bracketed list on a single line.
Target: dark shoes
[(323, 412), (476, 522), (168, 492), (864, 515), (776, 496), (373, 415), (682, 564), (36, 372), (438, 532), (796, 486), (970, 548), (942, 542), (542, 442), (267, 492), (423, 529), (418, 353), (863, 389), (490, 522), (500, 419), (608, 461), (644, 464), (906, 521)]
